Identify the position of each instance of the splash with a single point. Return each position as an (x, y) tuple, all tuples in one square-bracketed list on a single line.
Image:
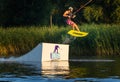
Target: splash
[(68, 39)]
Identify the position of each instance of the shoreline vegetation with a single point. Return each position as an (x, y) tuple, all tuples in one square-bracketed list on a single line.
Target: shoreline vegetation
[(103, 39)]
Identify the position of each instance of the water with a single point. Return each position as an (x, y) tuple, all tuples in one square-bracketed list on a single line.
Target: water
[(75, 70)]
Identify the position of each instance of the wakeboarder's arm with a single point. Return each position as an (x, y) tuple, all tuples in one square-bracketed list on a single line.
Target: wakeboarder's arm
[(66, 14)]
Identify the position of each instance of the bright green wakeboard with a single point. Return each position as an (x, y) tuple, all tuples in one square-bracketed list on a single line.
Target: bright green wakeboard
[(77, 33)]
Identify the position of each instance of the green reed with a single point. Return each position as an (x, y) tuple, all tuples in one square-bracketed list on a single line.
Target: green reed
[(19, 40), (103, 39)]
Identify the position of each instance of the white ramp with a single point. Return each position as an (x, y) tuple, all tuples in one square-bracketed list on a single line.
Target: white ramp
[(47, 52), (33, 55), (44, 52)]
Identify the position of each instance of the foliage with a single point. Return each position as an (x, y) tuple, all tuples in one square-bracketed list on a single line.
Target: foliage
[(18, 40), (24, 12), (37, 12), (93, 13), (102, 39), (116, 15)]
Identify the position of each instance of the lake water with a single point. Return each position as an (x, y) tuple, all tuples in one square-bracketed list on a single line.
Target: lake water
[(75, 70)]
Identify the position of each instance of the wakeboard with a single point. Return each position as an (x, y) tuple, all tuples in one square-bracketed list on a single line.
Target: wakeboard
[(77, 33)]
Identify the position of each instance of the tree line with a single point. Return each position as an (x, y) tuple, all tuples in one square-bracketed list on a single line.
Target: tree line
[(42, 12)]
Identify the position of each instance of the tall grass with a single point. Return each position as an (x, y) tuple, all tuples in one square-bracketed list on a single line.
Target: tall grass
[(19, 40), (102, 39)]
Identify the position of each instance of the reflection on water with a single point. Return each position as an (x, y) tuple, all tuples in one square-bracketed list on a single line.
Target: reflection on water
[(95, 69), (55, 68), (77, 70), (46, 69)]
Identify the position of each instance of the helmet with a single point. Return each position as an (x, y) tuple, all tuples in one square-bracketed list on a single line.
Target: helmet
[(70, 8)]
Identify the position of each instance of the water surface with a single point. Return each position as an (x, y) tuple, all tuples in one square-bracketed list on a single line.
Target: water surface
[(75, 70)]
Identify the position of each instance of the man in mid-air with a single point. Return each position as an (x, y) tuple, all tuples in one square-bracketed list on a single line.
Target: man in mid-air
[(68, 14)]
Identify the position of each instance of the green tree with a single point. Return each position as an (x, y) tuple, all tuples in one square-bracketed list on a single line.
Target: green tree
[(107, 11), (115, 15), (111, 11), (38, 12), (93, 13), (24, 12)]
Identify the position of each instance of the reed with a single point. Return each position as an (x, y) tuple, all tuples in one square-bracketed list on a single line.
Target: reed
[(19, 40), (103, 39)]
